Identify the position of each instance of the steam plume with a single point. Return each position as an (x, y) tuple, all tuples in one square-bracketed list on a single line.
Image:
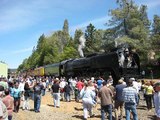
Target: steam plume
[(82, 41)]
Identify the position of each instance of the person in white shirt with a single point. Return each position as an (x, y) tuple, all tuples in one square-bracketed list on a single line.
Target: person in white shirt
[(21, 89), (62, 85), (73, 86), (44, 87), (136, 86), (3, 109)]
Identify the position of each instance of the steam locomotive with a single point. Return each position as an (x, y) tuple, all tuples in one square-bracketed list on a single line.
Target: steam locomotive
[(95, 65)]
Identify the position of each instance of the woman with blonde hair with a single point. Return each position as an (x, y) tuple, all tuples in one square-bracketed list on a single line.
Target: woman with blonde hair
[(149, 95)]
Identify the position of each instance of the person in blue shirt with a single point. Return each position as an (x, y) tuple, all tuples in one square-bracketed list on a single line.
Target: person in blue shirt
[(119, 102), (87, 96), (37, 96), (130, 98), (16, 96)]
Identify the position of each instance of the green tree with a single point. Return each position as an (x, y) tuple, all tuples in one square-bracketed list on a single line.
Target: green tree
[(131, 25), (108, 42), (89, 35), (155, 37), (41, 49), (66, 27), (64, 35), (98, 40), (33, 60), (77, 35)]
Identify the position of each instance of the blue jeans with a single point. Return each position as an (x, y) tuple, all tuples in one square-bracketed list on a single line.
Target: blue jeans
[(43, 92), (67, 97), (37, 102), (31, 94), (26, 102), (131, 107), (77, 95), (108, 109), (10, 117), (56, 97)]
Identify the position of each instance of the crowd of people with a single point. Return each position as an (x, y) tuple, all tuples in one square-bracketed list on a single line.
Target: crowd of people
[(121, 99)]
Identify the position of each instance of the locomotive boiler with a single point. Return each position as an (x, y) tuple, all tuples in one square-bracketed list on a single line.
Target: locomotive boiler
[(117, 63)]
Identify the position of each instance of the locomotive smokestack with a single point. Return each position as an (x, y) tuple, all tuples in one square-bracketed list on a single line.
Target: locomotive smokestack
[(82, 41)]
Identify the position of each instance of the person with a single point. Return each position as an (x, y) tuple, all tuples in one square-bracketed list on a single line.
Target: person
[(1, 88), (62, 84), (79, 87), (11, 88), (73, 83), (16, 96), (47, 83), (4, 83), (9, 102), (93, 87), (157, 100), (151, 73), (56, 93), (26, 96), (37, 96), (110, 80), (130, 98), (44, 87), (92, 79), (3, 109), (119, 103), (67, 92), (136, 86), (99, 83), (149, 95), (21, 88), (143, 74), (87, 96), (105, 94)]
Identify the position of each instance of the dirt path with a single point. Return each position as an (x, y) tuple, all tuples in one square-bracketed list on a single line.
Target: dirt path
[(70, 111)]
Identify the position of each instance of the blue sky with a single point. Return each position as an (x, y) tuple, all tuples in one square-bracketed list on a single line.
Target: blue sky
[(23, 21)]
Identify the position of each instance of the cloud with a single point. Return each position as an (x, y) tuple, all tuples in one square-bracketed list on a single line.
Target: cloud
[(23, 50), (150, 3), (17, 15), (153, 4), (96, 22)]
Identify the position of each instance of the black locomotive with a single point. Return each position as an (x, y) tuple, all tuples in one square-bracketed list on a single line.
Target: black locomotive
[(119, 63)]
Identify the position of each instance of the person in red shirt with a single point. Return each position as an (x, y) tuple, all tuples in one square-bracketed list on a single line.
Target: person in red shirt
[(79, 87), (9, 102)]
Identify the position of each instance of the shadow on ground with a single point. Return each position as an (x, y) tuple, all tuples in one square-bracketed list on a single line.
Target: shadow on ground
[(50, 105), (151, 117), (78, 116), (78, 109)]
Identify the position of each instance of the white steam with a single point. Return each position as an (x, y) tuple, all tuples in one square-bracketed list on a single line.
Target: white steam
[(82, 41)]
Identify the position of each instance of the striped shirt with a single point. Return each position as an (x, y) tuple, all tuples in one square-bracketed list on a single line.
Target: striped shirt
[(130, 95)]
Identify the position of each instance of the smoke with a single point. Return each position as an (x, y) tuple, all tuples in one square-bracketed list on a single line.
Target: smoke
[(82, 41), (121, 59)]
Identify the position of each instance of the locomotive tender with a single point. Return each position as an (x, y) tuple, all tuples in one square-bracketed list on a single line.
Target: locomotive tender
[(94, 66)]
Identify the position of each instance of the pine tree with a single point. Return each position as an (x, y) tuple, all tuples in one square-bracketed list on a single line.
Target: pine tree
[(156, 33), (131, 25), (66, 27)]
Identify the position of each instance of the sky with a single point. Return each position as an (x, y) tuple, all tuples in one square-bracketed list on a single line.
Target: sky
[(22, 22)]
